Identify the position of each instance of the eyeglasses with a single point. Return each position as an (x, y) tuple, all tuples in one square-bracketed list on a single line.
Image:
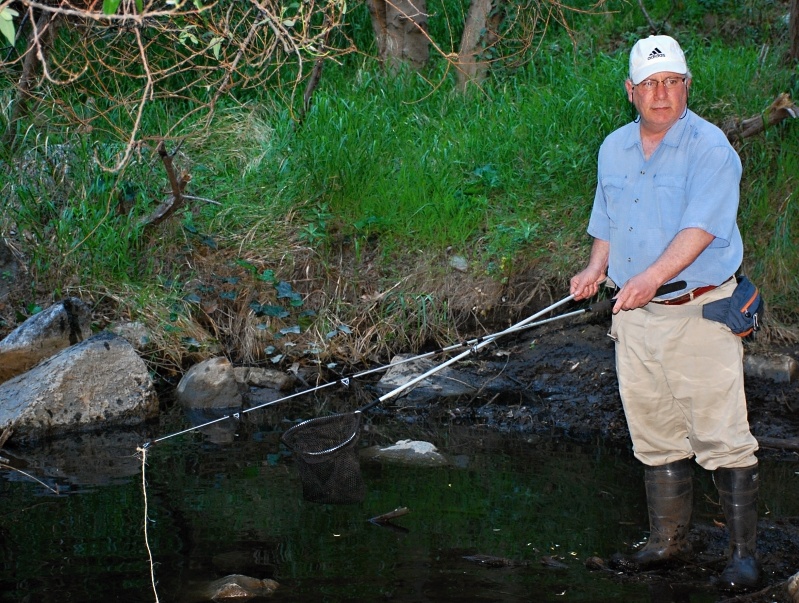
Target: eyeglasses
[(668, 83)]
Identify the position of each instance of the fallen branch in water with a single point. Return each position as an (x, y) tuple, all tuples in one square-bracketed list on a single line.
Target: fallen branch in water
[(386, 517)]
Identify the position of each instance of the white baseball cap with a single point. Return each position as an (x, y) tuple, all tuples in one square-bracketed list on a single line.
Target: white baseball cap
[(655, 54)]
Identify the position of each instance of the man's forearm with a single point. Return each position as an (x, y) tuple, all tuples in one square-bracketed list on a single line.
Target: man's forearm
[(683, 250)]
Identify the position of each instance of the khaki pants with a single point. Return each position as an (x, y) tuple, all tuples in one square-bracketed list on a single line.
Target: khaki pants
[(682, 386)]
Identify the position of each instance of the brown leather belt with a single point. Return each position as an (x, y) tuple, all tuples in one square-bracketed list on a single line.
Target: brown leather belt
[(686, 297)]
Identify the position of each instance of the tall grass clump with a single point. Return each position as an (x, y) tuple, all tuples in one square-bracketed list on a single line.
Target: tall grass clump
[(447, 171)]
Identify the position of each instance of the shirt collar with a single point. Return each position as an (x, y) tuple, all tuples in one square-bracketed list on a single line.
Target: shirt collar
[(672, 137)]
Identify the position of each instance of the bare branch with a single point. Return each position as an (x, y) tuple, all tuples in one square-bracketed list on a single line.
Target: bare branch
[(781, 109)]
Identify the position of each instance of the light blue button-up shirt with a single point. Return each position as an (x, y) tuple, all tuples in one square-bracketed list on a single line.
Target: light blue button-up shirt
[(691, 181)]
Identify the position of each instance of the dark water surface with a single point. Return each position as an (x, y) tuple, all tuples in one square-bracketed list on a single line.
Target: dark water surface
[(230, 502)]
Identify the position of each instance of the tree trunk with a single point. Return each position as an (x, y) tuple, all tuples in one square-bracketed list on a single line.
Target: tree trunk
[(794, 31), (377, 12), (479, 35), (400, 28)]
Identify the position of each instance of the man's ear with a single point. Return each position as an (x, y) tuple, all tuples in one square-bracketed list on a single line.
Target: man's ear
[(628, 85)]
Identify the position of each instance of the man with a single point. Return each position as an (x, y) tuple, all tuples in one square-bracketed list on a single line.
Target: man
[(664, 211)]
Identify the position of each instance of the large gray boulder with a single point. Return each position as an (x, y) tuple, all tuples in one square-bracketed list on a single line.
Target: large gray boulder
[(99, 382), (208, 385), (63, 324)]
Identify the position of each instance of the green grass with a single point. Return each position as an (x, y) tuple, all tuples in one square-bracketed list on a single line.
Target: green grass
[(399, 170)]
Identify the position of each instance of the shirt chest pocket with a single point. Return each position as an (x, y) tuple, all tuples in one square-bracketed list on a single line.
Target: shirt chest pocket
[(670, 200), (613, 188)]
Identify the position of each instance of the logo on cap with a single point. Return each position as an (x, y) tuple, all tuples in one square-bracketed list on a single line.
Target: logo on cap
[(656, 54)]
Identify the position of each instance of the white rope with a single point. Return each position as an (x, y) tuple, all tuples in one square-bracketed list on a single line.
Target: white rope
[(143, 452)]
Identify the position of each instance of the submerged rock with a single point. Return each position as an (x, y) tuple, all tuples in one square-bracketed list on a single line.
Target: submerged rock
[(409, 452), (237, 586)]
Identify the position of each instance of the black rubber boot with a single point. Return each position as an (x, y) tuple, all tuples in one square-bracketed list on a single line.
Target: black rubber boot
[(738, 493), (669, 496)]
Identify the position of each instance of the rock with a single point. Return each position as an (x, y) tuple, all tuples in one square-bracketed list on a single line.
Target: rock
[(409, 452), (210, 384), (778, 367), (459, 263), (237, 586), (445, 383), (263, 377), (42, 335), (135, 333), (596, 563), (96, 383), (481, 376)]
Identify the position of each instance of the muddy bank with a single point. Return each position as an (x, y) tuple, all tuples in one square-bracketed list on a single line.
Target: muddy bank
[(563, 381), (567, 388)]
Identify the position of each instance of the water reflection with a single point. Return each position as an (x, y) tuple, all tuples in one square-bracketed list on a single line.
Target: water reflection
[(233, 504)]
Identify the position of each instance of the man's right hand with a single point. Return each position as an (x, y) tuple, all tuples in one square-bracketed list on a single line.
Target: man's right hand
[(585, 284)]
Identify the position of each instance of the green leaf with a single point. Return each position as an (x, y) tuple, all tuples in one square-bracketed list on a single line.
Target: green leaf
[(246, 265), (111, 6), (268, 310), (284, 290), (216, 46), (208, 241), (190, 342), (7, 24), (268, 276)]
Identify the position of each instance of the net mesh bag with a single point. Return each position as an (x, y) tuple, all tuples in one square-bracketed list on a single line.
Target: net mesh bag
[(327, 458)]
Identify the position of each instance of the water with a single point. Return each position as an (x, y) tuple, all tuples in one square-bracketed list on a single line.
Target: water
[(229, 502)]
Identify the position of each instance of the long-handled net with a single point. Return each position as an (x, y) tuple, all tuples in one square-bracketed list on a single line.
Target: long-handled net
[(326, 447)]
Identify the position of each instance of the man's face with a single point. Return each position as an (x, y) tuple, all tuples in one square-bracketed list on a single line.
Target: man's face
[(661, 102)]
